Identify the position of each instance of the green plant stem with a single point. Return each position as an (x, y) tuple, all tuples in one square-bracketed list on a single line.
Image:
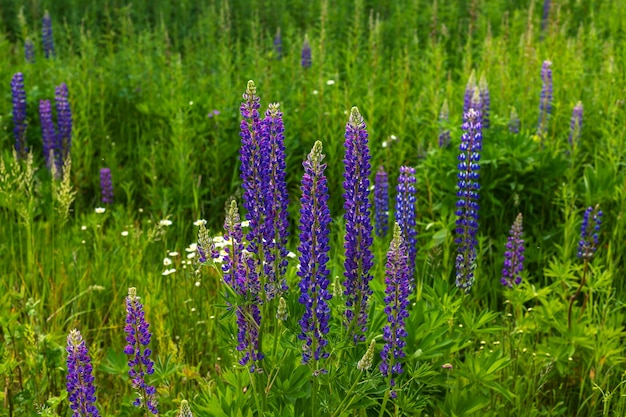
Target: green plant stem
[(573, 298), (314, 387), (255, 393), (347, 395), (384, 405)]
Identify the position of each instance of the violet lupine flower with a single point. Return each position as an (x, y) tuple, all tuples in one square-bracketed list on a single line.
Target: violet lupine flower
[(48, 43), (467, 205), (588, 243), (277, 203), (514, 122), (19, 114), (64, 123), (29, 51), (358, 236), (576, 125), (314, 248), (234, 234), (80, 389), (106, 186), (514, 255), (306, 53), (469, 92), (381, 202), (48, 132), (444, 120), (138, 338), (397, 291), (405, 211), (485, 100), (545, 16), (278, 45), (248, 287), (545, 102)]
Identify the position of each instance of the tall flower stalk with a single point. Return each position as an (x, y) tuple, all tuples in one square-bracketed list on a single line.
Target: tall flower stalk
[(514, 255), (576, 124), (46, 36), (19, 114), (106, 186), (587, 246), (314, 248), (381, 202), (469, 92), (64, 123), (358, 236), (29, 51), (545, 101), (48, 132), (397, 291), (467, 203), (278, 45), (485, 101), (405, 212), (138, 338), (80, 389), (306, 53)]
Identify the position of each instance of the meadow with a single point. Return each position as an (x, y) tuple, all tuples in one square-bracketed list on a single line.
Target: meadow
[(432, 222)]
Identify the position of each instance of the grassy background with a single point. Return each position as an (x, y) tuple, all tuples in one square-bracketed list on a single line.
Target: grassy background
[(142, 79)]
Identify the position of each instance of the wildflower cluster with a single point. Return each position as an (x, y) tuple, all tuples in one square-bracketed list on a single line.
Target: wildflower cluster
[(106, 186), (80, 389), (19, 114), (588, 244), (514, 255), (405, 211), (381, 202)]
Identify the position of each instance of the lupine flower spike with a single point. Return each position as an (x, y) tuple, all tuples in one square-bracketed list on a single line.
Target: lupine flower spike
[(366, 361), (314, 248), (48, 132), (278, 45), (514, 123), (485, 100), (80, 389), (64, 122), (19, 114), (444, 130), (138, 338), (397, 293), (405, 212), (545, 102), (545, 16), (467, 204), (514, 255), (381, 202), (277, 202), (306, 53), (576, 124), (48, 43), (205, 246), (184, 411), (588, 244), (469, 92), (106, 186), (358, 236), (29, 51)]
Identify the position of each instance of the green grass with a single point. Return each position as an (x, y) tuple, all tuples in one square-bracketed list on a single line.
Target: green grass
[(142, 79)]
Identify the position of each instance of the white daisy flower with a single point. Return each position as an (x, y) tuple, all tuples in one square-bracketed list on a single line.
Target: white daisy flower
[(165, 222), (192, 248), (199, 222), (330, 82), (100, 210), (124, 233), (167, 261), (173, 254), (169, 271)]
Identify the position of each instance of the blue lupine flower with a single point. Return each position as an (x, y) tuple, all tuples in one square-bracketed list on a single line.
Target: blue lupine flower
[(514, 255), (29, 51), (277, 203), (64, 123), (589, 231), (48, 132), (381, 202), (467, 204), (80, 389), (576, 125), (514, 122), (485, 101), (405, 211), (106, 186), (306, 53), (314, 248), (48, 43), (397, 291), (137, 339), (248, 288), (19, 114), (278, 45), (444, 130), (545, 16), (469, 92), (545, 102), (358, 236)]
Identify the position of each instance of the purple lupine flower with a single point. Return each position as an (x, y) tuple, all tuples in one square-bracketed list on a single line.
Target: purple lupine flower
[(576, 125), (469, 92), (205, 246), (233, 234), (588, 243), (358, 236), (514, 255), (314, 248), (397, 291), (476, 103), (405, 211), (48, 132), (80, 389), (514, 122), (444, 120), (137, 339), (278, 45), (467, 204), (106, 186), (29, 51), (248, 288), (381, 202), (485, 100), (545, 16), (64, 123), (48, 43), (306, 53), (19, 114), (545, 102), (277, 203)]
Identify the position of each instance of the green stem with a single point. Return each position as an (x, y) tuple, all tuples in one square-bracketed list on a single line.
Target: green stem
[(573, 298), (339, 410), (314, 387), (256, 394), (384, 405)]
